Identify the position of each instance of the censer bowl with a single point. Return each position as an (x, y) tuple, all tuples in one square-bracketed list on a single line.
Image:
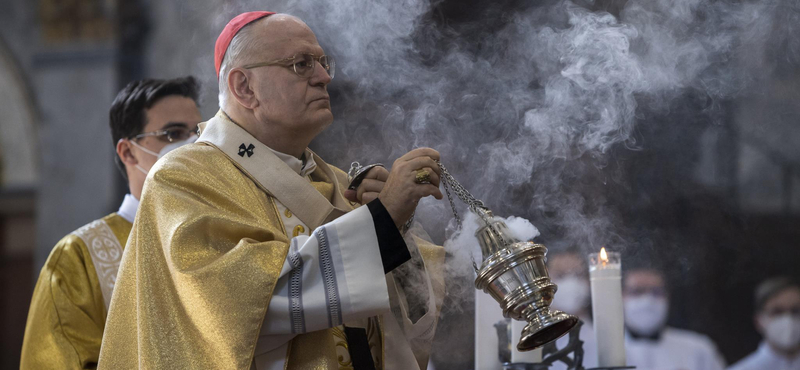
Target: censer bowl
[(514, 273)]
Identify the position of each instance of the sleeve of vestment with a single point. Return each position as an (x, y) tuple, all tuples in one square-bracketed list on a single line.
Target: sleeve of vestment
[(335, 275), (202, 263), (416, 292), (65, 321)]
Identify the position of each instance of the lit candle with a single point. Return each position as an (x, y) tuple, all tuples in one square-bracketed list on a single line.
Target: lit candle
[(487, 313), (606, 280)]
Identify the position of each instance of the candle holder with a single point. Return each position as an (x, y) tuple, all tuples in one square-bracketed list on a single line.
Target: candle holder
[(571, 355), (514, 273)]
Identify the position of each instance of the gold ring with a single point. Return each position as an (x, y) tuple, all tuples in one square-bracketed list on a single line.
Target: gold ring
[(422, 177)]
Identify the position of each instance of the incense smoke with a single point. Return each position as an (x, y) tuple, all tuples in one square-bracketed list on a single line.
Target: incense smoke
[(527, 105)]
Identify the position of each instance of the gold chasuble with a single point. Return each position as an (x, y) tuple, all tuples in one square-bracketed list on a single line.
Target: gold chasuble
[(245, 258), (68, 308)]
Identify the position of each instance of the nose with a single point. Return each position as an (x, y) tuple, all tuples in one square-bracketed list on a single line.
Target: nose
[(320, 76)]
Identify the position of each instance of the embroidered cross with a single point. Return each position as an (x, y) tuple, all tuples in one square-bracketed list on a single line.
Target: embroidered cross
[(248, 150)]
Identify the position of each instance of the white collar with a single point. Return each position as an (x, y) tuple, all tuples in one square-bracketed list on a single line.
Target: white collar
[(297, 165), (766, 351), (128, 208)]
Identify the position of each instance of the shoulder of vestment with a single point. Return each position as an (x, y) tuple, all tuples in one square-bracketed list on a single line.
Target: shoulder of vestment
[(200, 165), (71, 250)]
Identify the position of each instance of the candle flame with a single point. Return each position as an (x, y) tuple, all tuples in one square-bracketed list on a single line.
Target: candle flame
[(603, 255)]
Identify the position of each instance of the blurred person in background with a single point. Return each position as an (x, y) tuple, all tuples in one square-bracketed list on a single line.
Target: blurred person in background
[(148, 118), (569, 272), (777, 318), (650, 343)]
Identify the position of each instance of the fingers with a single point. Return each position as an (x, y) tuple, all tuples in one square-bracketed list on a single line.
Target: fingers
[(368, 197), (421, 152), (351, 195), (378, 173), (400, 192), (369, 186), (431, 190), (432, 174), (423, 162)]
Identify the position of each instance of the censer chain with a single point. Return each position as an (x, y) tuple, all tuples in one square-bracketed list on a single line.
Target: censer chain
[(474, 204)]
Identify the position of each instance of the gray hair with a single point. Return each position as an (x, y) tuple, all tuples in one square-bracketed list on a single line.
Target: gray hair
[(244, 41)]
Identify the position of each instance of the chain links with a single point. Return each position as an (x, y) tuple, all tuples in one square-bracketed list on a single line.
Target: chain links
[(475, 205)]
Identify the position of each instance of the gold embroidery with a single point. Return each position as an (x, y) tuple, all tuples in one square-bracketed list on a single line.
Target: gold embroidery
[(340, 339), (288, 213), (299, 229), (375, 340), (106, 253)]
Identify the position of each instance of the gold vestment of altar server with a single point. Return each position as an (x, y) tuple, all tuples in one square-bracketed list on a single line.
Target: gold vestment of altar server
[(68, 309), (209, 245)]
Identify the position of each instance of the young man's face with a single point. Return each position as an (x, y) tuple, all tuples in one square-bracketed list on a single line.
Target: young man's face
[(778, 320), (171, 113)]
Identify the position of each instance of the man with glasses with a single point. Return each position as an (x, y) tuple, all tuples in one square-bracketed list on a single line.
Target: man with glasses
[(67, 316), (650, 343), (251, 252)]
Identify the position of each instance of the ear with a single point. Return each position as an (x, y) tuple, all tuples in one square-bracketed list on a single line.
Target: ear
[(125, 154), (239, 85)]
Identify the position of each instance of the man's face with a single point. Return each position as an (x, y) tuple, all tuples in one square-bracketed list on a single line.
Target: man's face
[(569, 273), (786, 302), (563, 265), (643, 282), (295, 103), (172, 112), (645, 301)]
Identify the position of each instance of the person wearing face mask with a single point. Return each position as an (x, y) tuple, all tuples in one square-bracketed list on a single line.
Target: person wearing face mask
[(67, 315), (569, 272), (650, 344), (777, 318)]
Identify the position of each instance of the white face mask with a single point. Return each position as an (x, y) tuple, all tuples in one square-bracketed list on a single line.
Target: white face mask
[(782, 331), (166, 149), (646, 314), (572, 295)]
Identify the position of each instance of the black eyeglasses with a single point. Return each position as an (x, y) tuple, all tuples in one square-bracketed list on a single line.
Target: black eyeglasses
[(172, 134), (302, 64)]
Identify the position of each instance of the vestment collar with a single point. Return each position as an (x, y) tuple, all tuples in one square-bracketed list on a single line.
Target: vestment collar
[(275, 176), (127, 209), (302, 167)]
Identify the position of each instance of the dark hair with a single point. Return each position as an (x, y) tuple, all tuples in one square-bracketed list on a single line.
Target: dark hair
[(128, 117), (770, 288)]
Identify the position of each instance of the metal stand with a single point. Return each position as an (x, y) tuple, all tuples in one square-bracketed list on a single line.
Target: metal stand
[(552, 354)]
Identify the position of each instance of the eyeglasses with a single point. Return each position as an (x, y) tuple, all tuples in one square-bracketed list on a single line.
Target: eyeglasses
[(639, 291), (302, 64), (172, 134)]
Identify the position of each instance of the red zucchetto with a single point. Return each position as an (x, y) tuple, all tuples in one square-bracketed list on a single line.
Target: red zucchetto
[(230, 30)]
